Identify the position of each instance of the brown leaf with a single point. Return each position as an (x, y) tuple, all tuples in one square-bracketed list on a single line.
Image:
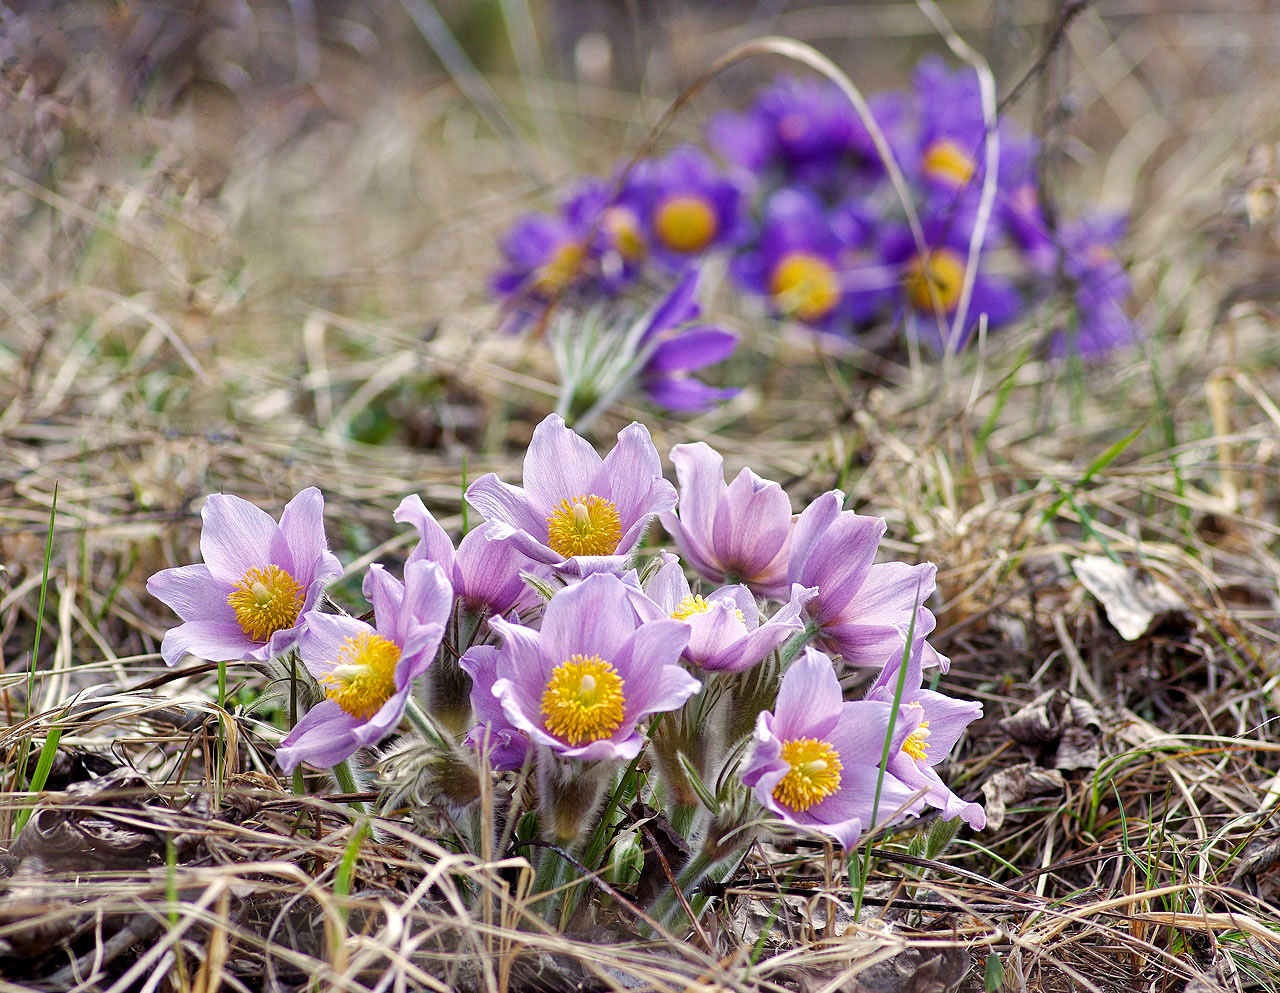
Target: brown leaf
[(1059, 731), (914, 970), (1131, 598), (1015, 784)]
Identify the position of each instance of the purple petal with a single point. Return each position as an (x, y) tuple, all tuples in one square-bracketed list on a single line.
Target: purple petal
[(809, 698), (809, 529), (839, 564), (488, 572), (192, 593), (433, 543), (386, 593), (592, 618), (693, 348), (428, 594), (235, 538), (321, 638), (323, 738), (682, 392), (559, 465), (700, 473), (636, 486), (751, 526), (215, 641), (301, 538), (499, 501)]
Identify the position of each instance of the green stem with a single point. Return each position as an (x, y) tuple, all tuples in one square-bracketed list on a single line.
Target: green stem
[(348, 781), (424, 725)]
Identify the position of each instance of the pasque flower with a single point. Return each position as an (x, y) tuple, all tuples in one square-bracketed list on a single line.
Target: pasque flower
[(725, 629), (863, 610), (929, 725), (258, 579), (581, 683), (368, 670), (573, 503), (730, 533), (1101, 288), (687, 205), (814, 759), (675, 343)]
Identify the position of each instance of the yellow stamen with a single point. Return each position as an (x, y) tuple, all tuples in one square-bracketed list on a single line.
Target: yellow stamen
[(804, 286), (917, 743), (948, 163), (814, 774), (365, 675), (685, 223), (623, 228), (583, 700), (585, 525), (694, 604), (559, 270), (943, 269), (266, 601)]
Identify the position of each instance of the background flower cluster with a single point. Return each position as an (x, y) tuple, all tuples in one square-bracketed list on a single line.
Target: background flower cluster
[(797, 197)]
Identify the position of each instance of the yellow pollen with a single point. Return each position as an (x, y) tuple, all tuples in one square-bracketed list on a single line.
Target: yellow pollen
[(365, 675), (583, 700), (585, 525), (559, 270), (694, 604), (804, 286), (266, 601), (917, 743), (624, 230), (686, 223), (814, 774), (943, 269), (947, 162)]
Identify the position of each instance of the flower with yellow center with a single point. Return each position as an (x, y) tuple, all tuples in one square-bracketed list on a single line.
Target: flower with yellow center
[(584, 525), (917, 743), (804, 286), (693, 603), (685, 223), (941, 272), (583, 700), (814, 774), (266, 601), (365, 675), (946, 162), (559, 270)]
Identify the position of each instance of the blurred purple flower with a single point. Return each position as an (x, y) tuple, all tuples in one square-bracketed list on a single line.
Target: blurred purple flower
[(687, 204), (257, 581), (368, 670), (573, 503), (929, 725), (677, 347), (582, 682), (814, 760), (1102, 289), (863, 611), (730, 533), (725, 631)]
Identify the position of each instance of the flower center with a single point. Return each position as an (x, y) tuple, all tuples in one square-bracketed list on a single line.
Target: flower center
[(917, 743), (804, 286), (559, 270), (266, 601), (943, 270), (946, 162), (814, 774), (583, 700), (694, 604), (623, 229), (685, 223), (365, 675), (585, 525)]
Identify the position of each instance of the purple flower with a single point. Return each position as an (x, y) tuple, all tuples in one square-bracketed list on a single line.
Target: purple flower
[(815, 759), (932, 283), (814, 265), (929, 725), (581, 684), (677, 346), (724, 627), (687, 205), (368, 671), (730, 533), (485, 573), (863, 611), (1102, 289), (509, 747), (573, 503), (257, 580)]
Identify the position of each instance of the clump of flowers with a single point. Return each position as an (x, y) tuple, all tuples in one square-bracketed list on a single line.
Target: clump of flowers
[(551, 646), (801, 205)]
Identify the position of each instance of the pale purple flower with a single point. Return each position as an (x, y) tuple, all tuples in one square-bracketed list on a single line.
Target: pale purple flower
[(368, 670), (863, 611), (929, 725), (730, 533), (725, 631), (257, 581), (815, 759), (573, 503), (581, 684), (485, 573), (508, 746)]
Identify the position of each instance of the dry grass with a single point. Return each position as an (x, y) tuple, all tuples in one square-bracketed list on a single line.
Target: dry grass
[(178, 318)]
